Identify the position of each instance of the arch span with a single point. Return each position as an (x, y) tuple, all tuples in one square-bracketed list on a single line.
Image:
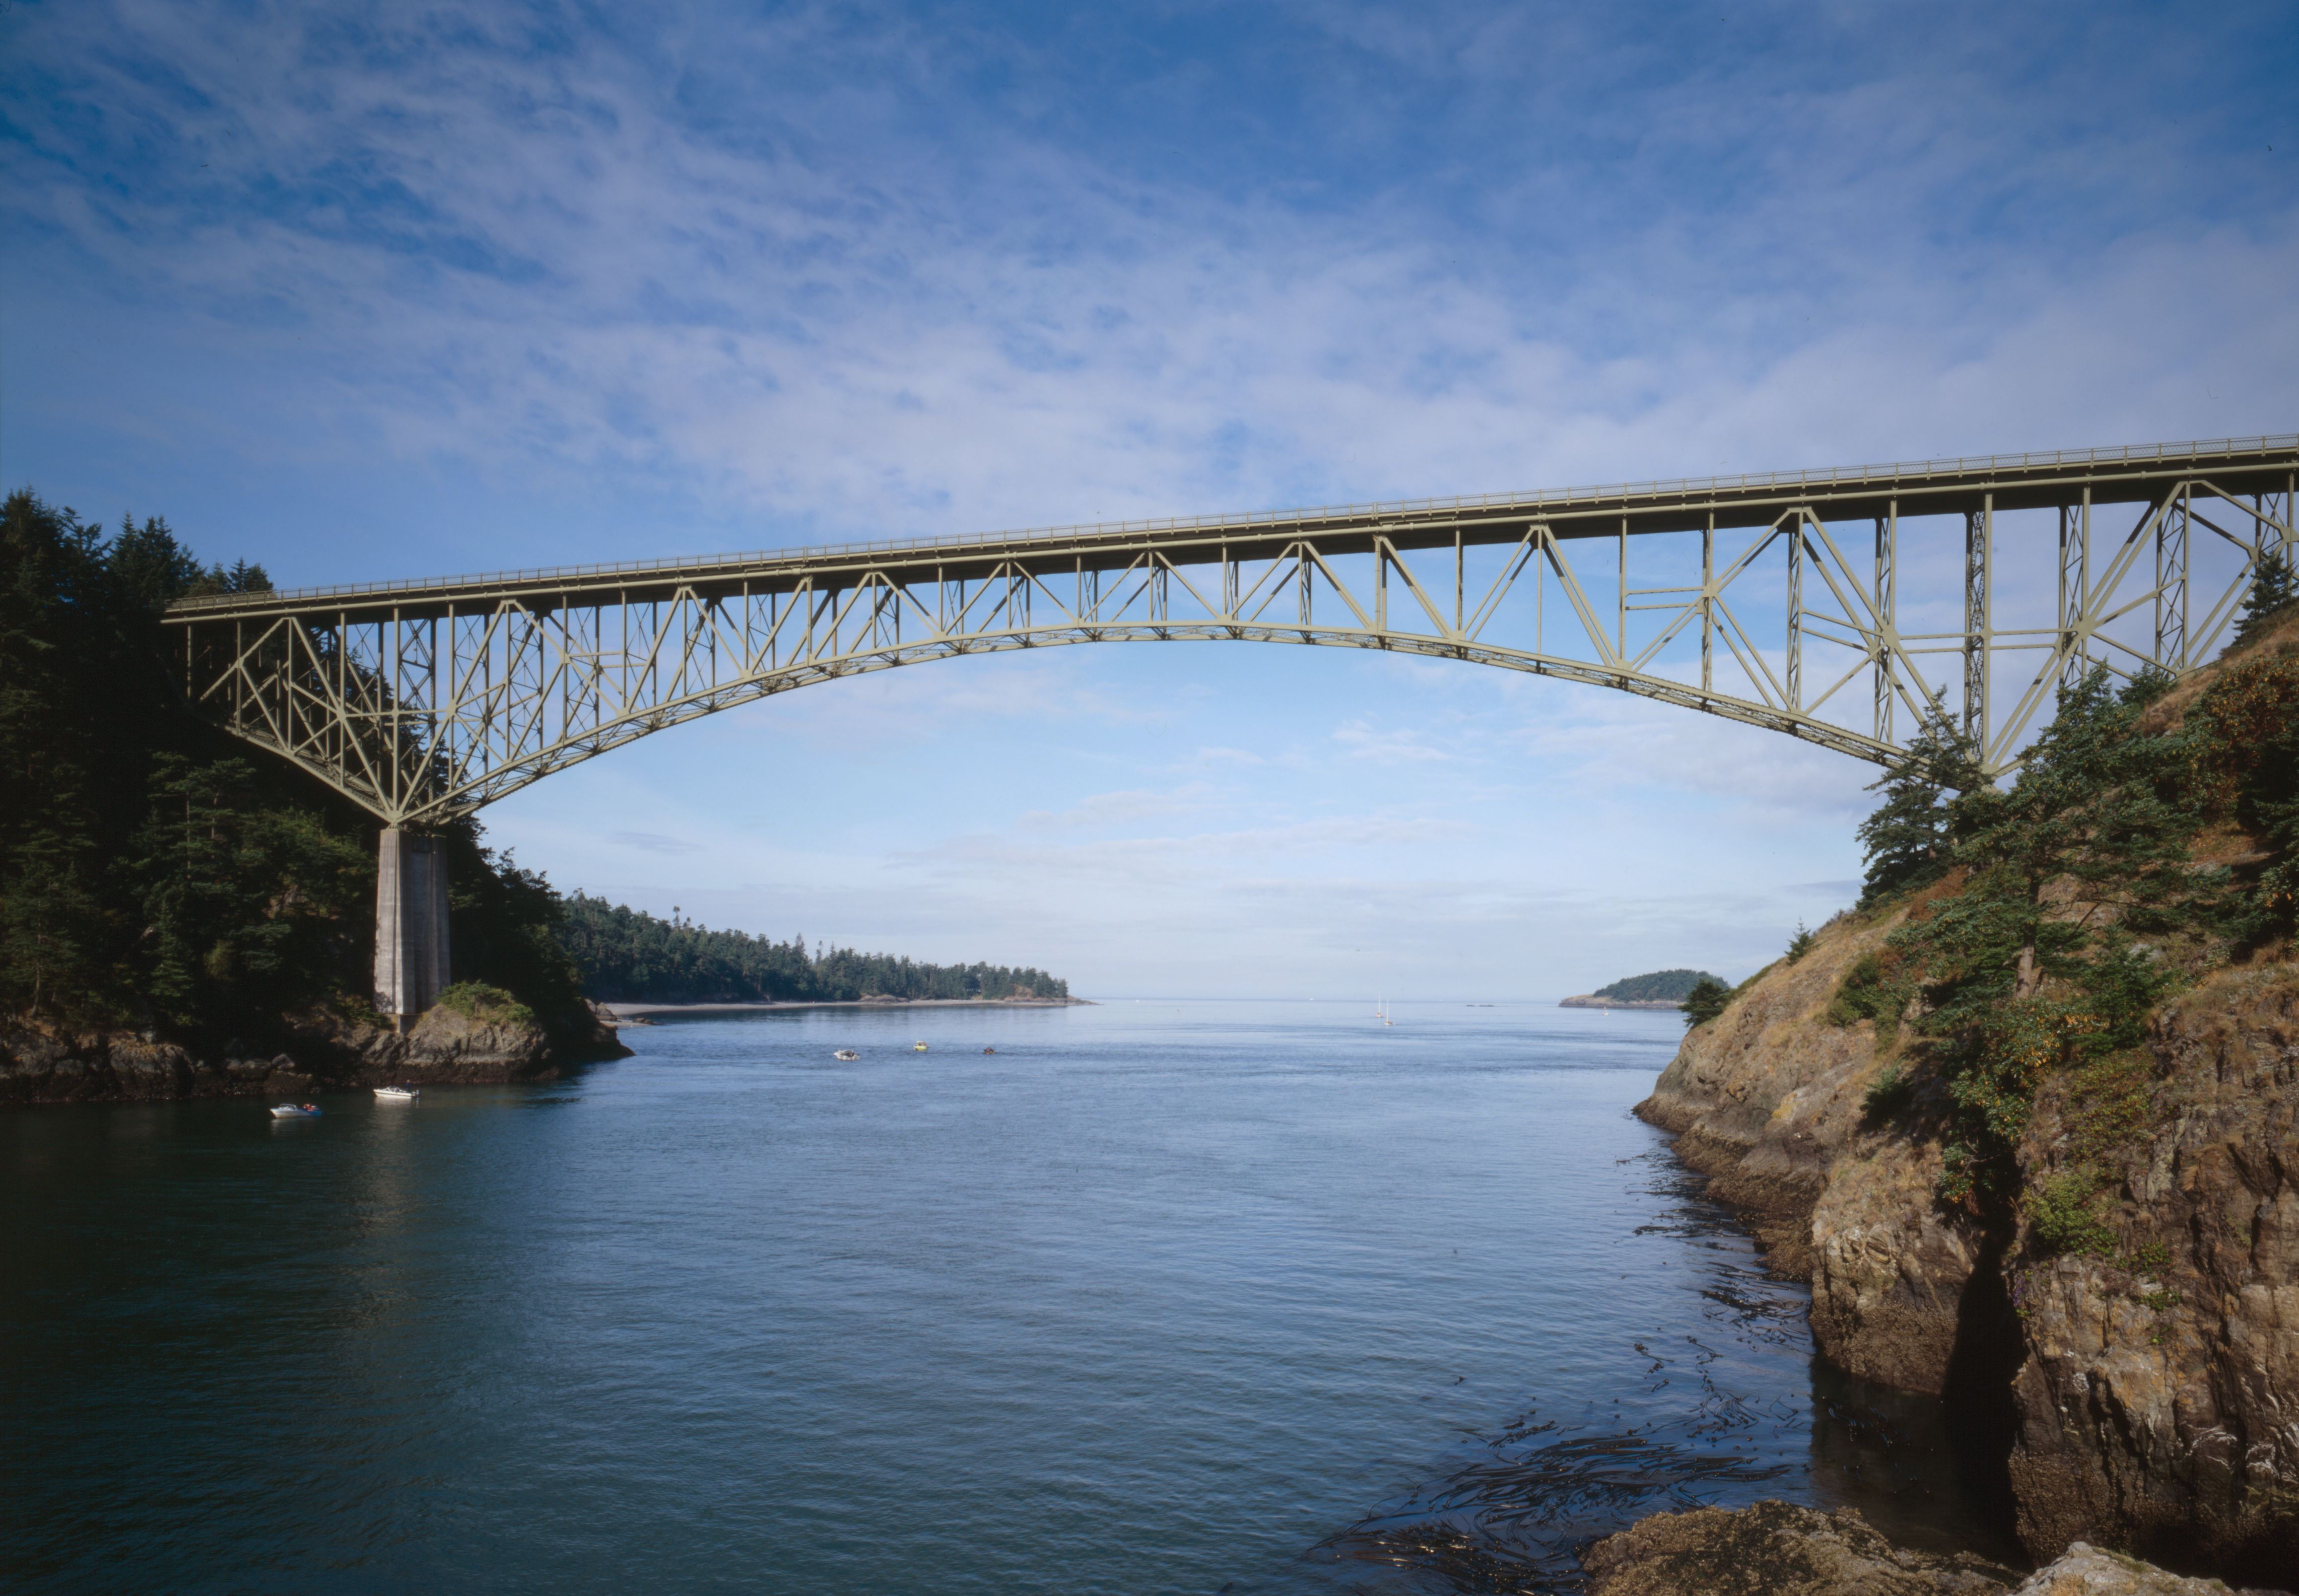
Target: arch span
[(427, 700), (424, 700)]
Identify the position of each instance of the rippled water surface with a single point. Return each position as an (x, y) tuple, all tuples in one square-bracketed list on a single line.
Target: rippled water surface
[(1158, 1297)]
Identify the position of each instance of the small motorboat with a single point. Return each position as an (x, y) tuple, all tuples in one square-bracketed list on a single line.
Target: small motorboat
[(918, 1047), (398, 1094), (846, 1055), (294, 1110), (988, 1050)]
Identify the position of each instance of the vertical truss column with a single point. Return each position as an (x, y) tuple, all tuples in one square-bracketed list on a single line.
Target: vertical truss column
[(2171, 583), (2075, 585), (1621, 622), (1979, 616), (1887, 550), (1707, 601), (1796, 611)]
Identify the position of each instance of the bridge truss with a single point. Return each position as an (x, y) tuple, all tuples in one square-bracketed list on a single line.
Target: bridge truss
[(1844, 607)]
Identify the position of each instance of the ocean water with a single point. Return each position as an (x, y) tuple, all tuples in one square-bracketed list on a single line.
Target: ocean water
[(1160, 1297)]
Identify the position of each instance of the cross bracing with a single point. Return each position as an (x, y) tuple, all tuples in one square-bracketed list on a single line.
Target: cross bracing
[(1845, 608)]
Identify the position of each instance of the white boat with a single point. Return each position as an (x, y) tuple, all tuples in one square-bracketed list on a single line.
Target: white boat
[(397, 1094), (918, 1047), (294, 1110), (846, 1055)]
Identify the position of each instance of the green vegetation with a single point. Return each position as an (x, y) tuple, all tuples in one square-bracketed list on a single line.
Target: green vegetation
[(2074, 905), (1910, 836), (2063, 1215), (1800, 944), (1708, 998), (155, 874), (483, 1004), (629, 956), (1887, 1095), (1661, 986), (1868, 991)]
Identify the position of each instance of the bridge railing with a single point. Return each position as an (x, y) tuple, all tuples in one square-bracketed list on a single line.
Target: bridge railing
[(1551, 499)]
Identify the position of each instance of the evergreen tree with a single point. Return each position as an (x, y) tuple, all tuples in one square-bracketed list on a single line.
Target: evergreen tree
[(2274, 590), (1708, 998), (1909, 837)]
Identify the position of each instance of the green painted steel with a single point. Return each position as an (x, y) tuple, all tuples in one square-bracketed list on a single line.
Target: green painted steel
[(424, 699)]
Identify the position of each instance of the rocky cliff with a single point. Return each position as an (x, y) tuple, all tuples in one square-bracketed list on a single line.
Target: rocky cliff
[(2111, 1305), (2142, 1358), (324, 1048)]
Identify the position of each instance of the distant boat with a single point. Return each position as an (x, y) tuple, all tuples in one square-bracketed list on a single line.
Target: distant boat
[(918, 1047), (397, 1094), (846, 1054), (294, 1110)]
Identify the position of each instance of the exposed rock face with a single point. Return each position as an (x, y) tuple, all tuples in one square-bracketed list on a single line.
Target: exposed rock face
[(2151, 1379), (1775, 1549), (328, 1051), (1769, 1099), (2159, 1403)]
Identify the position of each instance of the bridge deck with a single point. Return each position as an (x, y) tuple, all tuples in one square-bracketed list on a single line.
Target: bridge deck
[(2235, 466)]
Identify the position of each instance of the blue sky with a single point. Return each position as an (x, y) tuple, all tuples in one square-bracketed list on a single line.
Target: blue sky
[(464, 287)]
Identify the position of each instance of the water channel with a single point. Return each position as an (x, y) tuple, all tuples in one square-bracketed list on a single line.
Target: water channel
[(1161, 1296)]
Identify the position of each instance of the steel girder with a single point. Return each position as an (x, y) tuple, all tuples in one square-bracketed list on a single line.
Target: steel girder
[(428, 699)]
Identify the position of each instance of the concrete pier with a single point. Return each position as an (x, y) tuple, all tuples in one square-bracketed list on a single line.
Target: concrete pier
[(410, 925)]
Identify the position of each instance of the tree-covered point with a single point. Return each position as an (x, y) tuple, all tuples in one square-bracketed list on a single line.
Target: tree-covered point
[(156, 875), (627, 956), (1661, 986)]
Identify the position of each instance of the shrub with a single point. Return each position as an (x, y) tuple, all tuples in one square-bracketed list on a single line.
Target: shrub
[(1887, 1095), (2060, 1215), (1867, 992), (483, 1005), (1800, 944)]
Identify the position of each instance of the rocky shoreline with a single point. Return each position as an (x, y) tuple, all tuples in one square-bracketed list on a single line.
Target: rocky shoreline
[(1589, 1000), (2136, 1396), (1777, 1549), (323, 1050)]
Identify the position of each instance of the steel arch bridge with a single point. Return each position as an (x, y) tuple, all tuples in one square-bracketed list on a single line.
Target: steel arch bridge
[(422, 700), (425, 700)]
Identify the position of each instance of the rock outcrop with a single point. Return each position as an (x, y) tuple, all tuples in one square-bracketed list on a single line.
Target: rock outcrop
[(2159, 1400), (1776, 1548), (2147, 1382), (325, 1049), (1771, 1101)]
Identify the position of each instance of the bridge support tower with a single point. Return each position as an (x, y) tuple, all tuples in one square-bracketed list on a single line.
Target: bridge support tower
[(410, 925)]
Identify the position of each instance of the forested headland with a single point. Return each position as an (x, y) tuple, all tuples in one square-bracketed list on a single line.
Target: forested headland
[(155, 876), (630, 956), (160, 880)]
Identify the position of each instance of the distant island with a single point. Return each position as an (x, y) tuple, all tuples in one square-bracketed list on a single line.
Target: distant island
[(1661, 989)]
